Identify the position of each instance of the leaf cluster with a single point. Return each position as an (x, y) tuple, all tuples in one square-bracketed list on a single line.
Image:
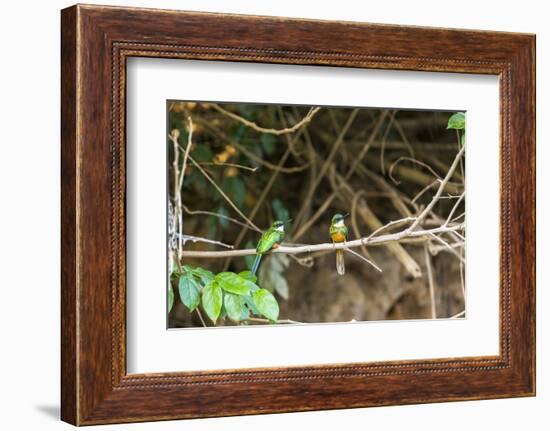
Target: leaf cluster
[(457, 121), (223, 295)]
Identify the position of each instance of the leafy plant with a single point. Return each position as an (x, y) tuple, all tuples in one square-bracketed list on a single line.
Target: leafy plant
[(457, 121), (226, 294), (170, 298)]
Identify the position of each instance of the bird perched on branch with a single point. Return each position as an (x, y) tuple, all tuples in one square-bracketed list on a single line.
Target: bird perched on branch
[(338, 233), (271, 239)]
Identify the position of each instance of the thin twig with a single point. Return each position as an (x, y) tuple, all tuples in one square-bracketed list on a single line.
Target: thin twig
[(192, 238), (200, 317), (221, 135), (187, 150), (372, 221), (222, 216), (424, 190), (353, 213), (324, 169), (283, 321), (260, 201), (305, 227), (260, 129), (462, 214), (410, 159), (233, 165), (457, 315), (383, 143), (403, 136), (435, 249), (430, 282), (390, 224), (452, 250), (454, 209), (221, 192), (442, 185), (370, 262)]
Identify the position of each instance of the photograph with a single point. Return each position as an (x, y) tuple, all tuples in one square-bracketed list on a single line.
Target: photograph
[(294, 214)]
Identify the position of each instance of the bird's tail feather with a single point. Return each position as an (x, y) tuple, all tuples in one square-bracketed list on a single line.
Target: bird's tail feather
[(256, 264), (340, 266)]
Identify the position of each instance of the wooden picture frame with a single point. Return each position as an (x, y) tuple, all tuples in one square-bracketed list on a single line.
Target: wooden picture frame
[(96, 41)]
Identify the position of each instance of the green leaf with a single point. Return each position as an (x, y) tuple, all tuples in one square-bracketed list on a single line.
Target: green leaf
[(212, 297), (269, 143), (189, 291), (234, 305), (231, 282), (250, 304), (245, 314), (170, 298), (248, 276), (204, 275), (223, 312), (266, 304), (457, 121)]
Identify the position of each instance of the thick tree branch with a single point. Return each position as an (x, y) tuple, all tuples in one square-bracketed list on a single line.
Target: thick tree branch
[(382, 239)]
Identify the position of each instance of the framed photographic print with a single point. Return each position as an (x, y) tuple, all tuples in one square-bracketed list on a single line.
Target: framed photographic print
[(331, 214)]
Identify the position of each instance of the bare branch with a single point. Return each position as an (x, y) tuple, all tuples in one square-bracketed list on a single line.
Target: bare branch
[(326, 165), (424, 190), (222, 216), (410, 159), (192, 238), (452, 250), (260, 129), (221, 135), (221, 192), (457, 203), (233, 165), (283, 321), (370, 262), (437, 195), (430, 281), (261, 200), (324, 169), (382, 239)]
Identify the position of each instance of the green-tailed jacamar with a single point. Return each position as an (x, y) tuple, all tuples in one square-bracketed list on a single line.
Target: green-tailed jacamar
[(271, 239), (339, 233)]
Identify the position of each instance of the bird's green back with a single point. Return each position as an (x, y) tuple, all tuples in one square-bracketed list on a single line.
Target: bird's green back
[(268, 239)]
